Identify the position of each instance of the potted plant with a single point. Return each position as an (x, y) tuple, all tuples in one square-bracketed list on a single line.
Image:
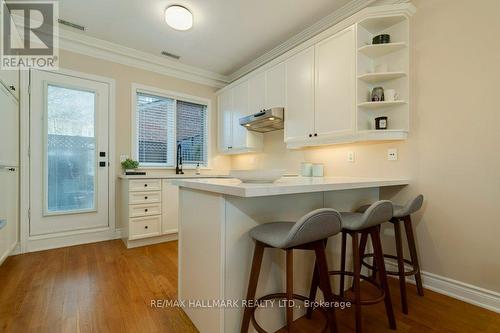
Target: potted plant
[(129, 165)]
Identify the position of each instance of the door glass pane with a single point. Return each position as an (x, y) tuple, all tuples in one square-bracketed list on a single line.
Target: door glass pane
[(71, 150)]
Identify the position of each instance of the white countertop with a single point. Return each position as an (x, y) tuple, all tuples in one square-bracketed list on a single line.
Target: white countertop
[(287, 185), (170, 176)]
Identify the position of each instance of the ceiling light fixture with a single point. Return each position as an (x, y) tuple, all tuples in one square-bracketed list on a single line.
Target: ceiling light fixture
[(179, 17)]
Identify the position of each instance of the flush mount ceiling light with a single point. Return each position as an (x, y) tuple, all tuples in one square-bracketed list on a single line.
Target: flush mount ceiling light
[(179, 17)]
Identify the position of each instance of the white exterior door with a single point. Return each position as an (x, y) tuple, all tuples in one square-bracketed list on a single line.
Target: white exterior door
[(69, 153), (335, 85), (299, 117)]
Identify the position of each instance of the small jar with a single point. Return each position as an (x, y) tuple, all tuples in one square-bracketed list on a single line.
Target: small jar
[(317, 170), (381, 123), (306, 169)]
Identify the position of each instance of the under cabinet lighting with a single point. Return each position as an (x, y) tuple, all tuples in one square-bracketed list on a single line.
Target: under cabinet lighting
[(179, 17)]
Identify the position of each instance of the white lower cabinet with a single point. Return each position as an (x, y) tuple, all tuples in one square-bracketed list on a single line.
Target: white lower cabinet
[(149, 211)]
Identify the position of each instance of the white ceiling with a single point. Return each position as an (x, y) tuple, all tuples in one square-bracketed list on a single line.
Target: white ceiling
[(227, 34)]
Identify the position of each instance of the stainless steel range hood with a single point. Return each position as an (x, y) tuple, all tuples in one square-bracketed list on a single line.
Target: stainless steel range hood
[(264, 121)]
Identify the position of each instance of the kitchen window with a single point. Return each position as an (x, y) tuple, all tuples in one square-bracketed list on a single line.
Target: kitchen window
[(164, 120)]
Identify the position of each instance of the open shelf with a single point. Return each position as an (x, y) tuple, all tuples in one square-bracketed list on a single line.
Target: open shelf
[(377, 135), (378, 50), (381, 77), (378, 105), (377, 24)]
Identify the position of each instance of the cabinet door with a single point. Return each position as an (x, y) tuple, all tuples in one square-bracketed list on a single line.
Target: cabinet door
[(275, 86), (335, 85), (299, 108), (240, 109), (8, 211), (225, 120), (9, 128), (257, 93), (170, 208), (10, 79)]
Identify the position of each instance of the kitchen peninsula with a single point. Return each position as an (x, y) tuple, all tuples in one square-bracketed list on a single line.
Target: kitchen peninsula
[(216, 215)]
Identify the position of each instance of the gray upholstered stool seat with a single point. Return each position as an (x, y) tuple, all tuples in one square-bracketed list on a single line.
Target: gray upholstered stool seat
[(308, 233), (400, 211), (370, 216), (316, 225)]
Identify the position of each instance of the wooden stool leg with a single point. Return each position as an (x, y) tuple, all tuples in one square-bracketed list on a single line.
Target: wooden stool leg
[(379, 256), (357, 280), (342, 263), (324, 280), (312, 291), (289, 289), (401, 265), (413, 254), (252, 284), (362, 250), (374, 263)]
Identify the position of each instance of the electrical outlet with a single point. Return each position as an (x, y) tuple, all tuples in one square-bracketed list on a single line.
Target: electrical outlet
[(350, 156), (123, 157), (392, 154)]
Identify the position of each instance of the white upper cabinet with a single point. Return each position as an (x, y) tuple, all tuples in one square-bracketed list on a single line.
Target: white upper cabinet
[(240, 109), (275, 86), (10, 79), (325, 85), (234, 138), (299, 92), (257, 93), (225, 119), (335, 85)]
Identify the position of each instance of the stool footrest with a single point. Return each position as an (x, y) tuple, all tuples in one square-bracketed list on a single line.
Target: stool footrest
[(367, 301), (389, 256), (283, 296)]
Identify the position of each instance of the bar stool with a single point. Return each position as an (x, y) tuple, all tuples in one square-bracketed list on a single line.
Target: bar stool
[(365, 224), (309, 233), (402, 213)]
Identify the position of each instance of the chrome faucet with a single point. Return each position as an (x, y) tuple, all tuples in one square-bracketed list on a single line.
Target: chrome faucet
[(178, 168)]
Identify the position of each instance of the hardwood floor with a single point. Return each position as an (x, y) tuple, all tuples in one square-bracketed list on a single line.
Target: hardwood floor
[(103, 287)]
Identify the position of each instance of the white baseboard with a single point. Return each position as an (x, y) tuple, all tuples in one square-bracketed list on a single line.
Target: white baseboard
[(47, 242), (468, 293), (150, 241), (8, 252)]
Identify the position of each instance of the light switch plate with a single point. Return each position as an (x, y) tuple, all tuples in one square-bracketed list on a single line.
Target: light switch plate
[(392, 154), (350, 156)]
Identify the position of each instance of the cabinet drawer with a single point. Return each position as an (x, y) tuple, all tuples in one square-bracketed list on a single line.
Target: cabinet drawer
[(144, 227), (144, 210), (145, 185), (144, 197)]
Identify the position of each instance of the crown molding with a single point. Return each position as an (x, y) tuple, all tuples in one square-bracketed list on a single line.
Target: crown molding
[(98, 48), (325, 23)]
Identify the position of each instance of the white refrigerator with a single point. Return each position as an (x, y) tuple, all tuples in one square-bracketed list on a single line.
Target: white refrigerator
[(9, 172)]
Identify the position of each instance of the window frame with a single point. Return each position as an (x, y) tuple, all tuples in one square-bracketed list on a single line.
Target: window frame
[(139, 88)]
